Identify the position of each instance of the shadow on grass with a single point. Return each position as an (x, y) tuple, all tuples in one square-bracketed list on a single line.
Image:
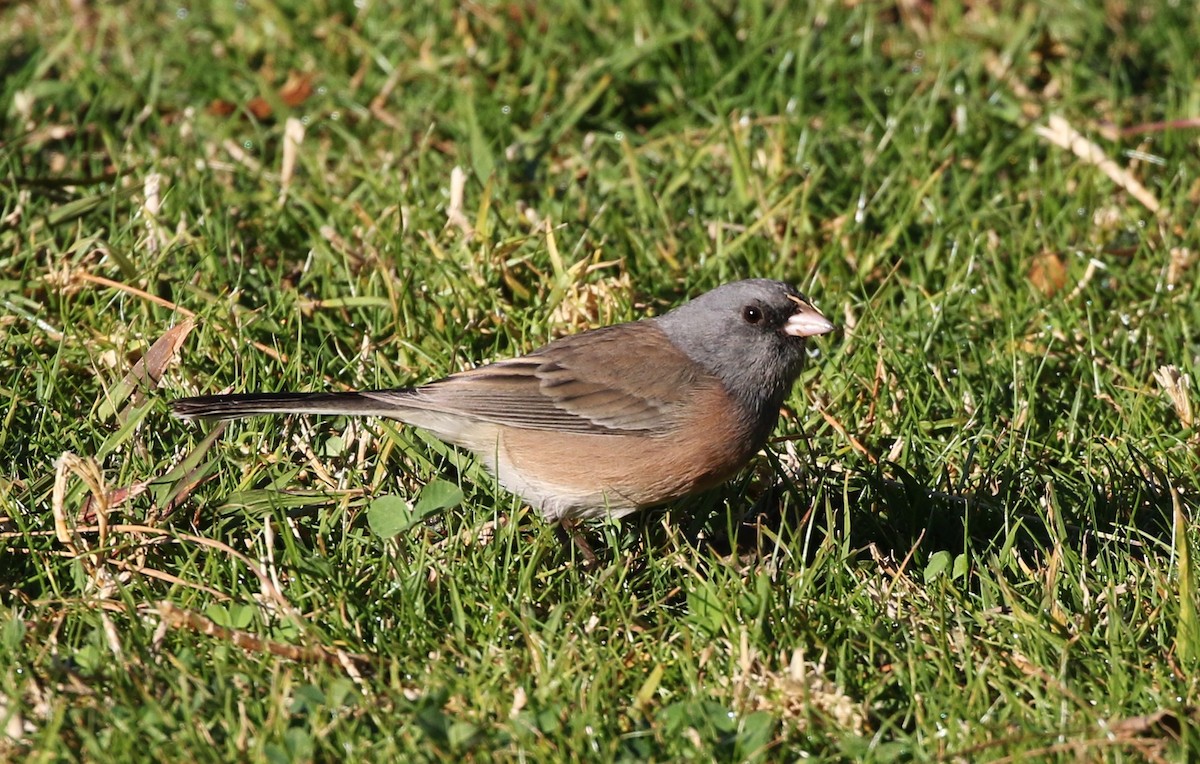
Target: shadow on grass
[(892, 512)]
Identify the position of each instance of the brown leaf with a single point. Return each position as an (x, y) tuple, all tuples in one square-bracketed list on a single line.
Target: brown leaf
[(116, 497), (1048, 273), (156, 360), (294, 92), (221, 108), (259, 107), (147, 371), (297, 89)]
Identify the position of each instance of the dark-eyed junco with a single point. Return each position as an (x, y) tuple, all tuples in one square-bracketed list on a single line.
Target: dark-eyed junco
[(610, 420)]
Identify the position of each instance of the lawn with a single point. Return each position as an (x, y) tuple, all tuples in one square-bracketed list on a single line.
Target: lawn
[(971, 538)]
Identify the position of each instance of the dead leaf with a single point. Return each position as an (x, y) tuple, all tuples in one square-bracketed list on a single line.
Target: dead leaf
[(1048, 273), (295, 91), (149, 370), (221, 108), (116, 497), (259, 108)]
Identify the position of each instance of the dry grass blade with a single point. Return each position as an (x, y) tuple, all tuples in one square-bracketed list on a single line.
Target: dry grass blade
[(140, 293), (178, 618), (1060, 132), (455, 214), (1177, 386), (78, 548), (65, 528), (293, 136)]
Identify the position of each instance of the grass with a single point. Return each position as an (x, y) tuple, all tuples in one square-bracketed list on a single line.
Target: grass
[(972, 540)]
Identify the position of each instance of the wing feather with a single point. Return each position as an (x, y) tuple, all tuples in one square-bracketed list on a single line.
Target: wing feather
[(619, 380)]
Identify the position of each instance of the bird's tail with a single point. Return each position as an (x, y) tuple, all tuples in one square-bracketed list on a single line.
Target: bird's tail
[(376, 403)]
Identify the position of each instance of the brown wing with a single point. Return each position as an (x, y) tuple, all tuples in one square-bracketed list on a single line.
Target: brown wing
[(618, 380)]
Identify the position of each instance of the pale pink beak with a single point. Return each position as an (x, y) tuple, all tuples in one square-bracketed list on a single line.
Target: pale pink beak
[(807, 321)]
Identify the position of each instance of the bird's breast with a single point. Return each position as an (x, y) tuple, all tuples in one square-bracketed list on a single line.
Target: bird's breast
[(570, 475)]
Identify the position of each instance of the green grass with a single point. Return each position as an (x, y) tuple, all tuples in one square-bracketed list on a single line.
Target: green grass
[(976, 537)]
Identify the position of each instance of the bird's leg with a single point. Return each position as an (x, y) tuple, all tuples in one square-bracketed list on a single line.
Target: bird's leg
[(568, 532)]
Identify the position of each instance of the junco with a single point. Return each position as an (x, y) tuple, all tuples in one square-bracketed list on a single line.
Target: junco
[(610, 420)]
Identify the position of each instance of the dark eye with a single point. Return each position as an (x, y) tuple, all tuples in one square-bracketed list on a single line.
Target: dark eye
[(752, 314)]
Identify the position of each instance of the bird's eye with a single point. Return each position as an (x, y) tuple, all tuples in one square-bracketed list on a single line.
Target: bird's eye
[(752, 314)]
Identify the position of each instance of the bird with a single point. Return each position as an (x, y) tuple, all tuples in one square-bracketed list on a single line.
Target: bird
[(608, 421)]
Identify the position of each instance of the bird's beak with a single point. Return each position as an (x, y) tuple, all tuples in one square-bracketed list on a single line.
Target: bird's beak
[(807, 321)]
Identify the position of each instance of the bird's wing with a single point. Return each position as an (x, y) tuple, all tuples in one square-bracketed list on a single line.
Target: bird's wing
[(618, 380)]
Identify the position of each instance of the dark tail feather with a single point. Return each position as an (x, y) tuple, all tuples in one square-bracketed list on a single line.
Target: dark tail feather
[(373, 403)]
